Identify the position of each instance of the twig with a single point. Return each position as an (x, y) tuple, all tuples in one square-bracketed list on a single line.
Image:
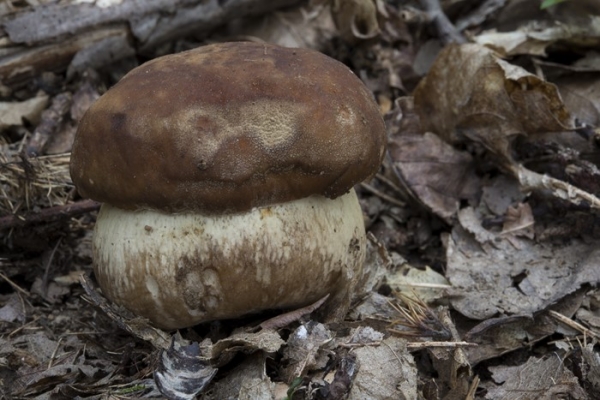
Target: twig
[(384, 196), (119, 29), (446, 30), (53, 356), (530, 180), (573, 324), (51, 118), (14, 285), (425, 345), (47, 267), (353, 345), (391, 184), (49, 214), (473, 388), (425, 285), (285, 319), (19, 329)]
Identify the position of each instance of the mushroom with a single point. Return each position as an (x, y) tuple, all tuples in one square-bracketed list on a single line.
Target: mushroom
[(226, 175)]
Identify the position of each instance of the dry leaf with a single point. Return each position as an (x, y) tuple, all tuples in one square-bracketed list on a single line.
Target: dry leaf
[(355, 19), (387, 371), (533, 39), (501, 193), (305, 350), (497, 102), (13, 113), (497, 279), (547, 377), (438, 175), (247, 381)]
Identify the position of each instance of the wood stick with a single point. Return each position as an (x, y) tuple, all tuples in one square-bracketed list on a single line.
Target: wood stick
[(63, 31), (49, 214)]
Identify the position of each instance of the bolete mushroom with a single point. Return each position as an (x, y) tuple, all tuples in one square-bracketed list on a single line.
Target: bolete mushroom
[(226, 174)]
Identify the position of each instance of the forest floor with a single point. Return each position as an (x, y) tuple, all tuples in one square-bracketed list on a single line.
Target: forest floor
[(482, 222)]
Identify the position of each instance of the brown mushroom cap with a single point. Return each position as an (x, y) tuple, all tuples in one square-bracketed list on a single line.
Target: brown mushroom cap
[(228, 127)]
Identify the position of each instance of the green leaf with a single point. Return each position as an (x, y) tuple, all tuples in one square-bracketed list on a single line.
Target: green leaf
[(295, 383), (550, 3)]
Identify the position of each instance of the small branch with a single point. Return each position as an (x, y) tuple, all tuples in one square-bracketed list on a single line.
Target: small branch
[(425, 345), (14, 285), (530, 180), (285, 319), (51, 119), (49, 36), (49, 214), (383, 196), (574, 325), (446, 30)]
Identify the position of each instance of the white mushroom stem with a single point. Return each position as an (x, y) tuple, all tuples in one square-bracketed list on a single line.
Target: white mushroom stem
[(182, 269)]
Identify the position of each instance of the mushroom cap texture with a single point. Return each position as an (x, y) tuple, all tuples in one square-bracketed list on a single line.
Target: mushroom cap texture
[(228, 127)]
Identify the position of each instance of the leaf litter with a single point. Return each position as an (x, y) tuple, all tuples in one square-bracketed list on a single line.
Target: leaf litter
[(482, 269)]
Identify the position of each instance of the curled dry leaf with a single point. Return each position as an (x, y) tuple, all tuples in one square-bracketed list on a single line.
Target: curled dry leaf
[(343, 378), (310, 26), (355, 19), (13, 309), (221, 352), (432, 172), (592, 358), (426, 284), (498, 336), (533, 39), (497, 102)]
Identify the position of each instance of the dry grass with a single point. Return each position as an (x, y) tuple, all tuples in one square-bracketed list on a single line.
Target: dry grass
[(28, 184), (416, 318)]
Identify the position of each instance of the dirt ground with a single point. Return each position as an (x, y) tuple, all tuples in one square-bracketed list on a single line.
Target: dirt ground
[(482, 265)]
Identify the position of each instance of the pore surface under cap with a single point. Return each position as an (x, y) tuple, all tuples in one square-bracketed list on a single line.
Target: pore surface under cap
[(228, 127)]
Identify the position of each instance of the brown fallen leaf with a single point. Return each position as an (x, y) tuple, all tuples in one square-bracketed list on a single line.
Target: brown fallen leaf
[(497, 102), (438, 175)]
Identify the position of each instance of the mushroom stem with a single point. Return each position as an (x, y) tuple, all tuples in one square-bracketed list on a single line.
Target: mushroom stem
[(182, 269)]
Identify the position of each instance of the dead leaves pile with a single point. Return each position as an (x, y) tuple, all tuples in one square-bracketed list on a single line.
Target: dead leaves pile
[(504, 150)]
